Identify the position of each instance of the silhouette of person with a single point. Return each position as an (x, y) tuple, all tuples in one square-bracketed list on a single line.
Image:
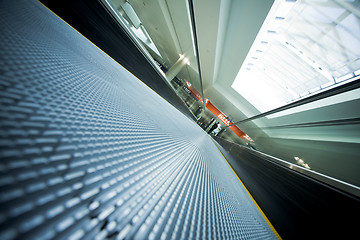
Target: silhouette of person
[(213, 127)]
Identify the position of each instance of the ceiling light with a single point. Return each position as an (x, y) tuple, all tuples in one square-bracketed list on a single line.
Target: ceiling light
[(306, 166), (300, 161)]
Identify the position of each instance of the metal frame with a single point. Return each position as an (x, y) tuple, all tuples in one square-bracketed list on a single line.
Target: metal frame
[(331, 92), (341, 185), (193, 24)]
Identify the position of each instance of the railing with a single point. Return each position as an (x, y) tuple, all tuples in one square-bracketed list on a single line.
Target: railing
[(344, 186)]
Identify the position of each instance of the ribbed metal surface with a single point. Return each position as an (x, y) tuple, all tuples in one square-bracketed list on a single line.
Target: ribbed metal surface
[(88, 151)]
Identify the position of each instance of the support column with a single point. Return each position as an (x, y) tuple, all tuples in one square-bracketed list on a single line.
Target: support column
[(176, 68)]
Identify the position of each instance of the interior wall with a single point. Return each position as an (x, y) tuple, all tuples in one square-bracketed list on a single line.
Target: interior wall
[(336, 159), (324, 133)]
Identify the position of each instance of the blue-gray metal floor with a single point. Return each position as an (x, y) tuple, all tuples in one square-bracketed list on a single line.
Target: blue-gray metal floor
[(89, 151)]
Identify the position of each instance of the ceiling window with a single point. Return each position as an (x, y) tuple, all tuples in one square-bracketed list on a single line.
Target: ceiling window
[(134, 23), (303, 48)]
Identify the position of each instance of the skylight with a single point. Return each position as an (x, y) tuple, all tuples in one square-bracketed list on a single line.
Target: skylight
[(137, 27), (142, 34), (303, 48)]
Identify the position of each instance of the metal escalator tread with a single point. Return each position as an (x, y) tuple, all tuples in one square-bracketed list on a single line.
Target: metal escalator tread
[(90, 152)]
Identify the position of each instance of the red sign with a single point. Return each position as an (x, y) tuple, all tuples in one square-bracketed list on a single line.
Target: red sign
[(194, 91), (217, 112), (226, 121)]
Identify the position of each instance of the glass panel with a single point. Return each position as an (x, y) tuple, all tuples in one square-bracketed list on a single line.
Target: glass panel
[(303, 48)]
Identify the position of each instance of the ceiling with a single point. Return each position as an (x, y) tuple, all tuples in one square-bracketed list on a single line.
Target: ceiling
[(227, 31)]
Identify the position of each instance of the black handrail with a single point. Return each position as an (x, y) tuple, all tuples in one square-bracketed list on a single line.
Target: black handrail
[(328, 93), (193, 24)]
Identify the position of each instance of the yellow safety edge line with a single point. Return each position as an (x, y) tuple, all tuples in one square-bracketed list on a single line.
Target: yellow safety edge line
[(258, 207), (262, 213), (108, 55), (87, 39)]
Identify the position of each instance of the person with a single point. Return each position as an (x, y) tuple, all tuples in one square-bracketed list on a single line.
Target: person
[(217, 130), (250, 146), (209, 124), (213, 127)]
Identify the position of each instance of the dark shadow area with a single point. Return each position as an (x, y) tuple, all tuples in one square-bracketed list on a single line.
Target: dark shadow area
[(81, 157), (92, 20), (299, 207)]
